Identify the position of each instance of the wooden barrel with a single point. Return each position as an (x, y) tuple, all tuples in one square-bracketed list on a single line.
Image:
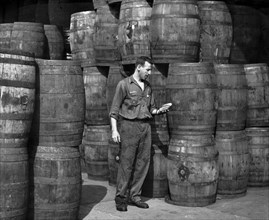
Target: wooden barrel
[(95, 144), (106, 35), (81, 35), (55, 40), (95, 80), (232, 97), (192, 89), (134, 24), (259, 156), (5, 35), (113, 162), (55, 188), (258, 94), (233, 162), (192, 170), (216, 31), (29, 37), (115, 74), (156, 183), (246, 34), (167, 43), (60, 106), (14, 182), (17, 96), (99, 3), (159, 124)]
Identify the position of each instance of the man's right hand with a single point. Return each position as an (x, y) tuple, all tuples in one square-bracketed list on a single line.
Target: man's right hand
[(116, 136)]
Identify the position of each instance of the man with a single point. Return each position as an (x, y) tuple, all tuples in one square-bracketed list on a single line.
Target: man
[(134, 103)]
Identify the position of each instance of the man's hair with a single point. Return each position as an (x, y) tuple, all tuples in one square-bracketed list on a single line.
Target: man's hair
[(141, 60)]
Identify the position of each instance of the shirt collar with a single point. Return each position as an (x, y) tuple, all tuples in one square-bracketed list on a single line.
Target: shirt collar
[(132, 80)]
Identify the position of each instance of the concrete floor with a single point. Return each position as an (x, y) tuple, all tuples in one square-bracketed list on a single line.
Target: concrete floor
[(97, 202)]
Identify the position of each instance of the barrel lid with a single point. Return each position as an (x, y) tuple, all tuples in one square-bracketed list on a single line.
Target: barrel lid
[(58, 62)]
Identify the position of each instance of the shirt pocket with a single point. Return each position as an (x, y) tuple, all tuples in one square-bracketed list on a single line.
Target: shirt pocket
[(134, 100)]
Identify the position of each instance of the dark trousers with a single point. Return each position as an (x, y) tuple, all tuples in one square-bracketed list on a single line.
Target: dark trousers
[(134, 158)]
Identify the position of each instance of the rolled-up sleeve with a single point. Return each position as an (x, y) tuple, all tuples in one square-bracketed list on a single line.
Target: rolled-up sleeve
[(120, 93)]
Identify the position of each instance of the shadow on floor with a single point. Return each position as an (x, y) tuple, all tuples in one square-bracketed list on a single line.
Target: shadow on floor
[(90, 196)]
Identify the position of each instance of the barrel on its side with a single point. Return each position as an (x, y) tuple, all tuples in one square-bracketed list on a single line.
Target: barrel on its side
[(60, 107), (192, 170), (259, 156), (56, 50), (217, 31), (95, 143), (29, 37), (168, 44), (232, 97), (233, 162), (55, 183), (258, 94)]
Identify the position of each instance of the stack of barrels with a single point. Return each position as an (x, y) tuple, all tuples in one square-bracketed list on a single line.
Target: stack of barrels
[(42, 112), (258, 123)]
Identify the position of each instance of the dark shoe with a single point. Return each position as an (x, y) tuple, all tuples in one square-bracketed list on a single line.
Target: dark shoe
[(121, 204), (139, 204), (122, 207)]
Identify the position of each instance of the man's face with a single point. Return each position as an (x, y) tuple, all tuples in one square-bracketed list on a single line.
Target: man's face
[(145, 71)]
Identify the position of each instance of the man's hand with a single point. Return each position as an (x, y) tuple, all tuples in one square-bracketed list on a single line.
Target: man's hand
[(116, 136)]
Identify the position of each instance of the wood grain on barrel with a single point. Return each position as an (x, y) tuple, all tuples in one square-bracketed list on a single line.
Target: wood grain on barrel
[(258, 94), (106, 35), (29, 37), (81, 35), (5, 35), (232, 97), (216, 31), (168, 44), (134, 25), (95, 81), (55, 40), (55, 188), (17, 97), (259, 156), (192, 89), (95, 143), (60, 106), (192, 169), (233, 162)]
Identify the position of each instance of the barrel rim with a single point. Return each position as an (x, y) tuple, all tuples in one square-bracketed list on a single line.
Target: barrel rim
[(44, 62)]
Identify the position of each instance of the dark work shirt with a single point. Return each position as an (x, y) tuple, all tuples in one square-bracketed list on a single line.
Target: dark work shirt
[(131, 102)]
